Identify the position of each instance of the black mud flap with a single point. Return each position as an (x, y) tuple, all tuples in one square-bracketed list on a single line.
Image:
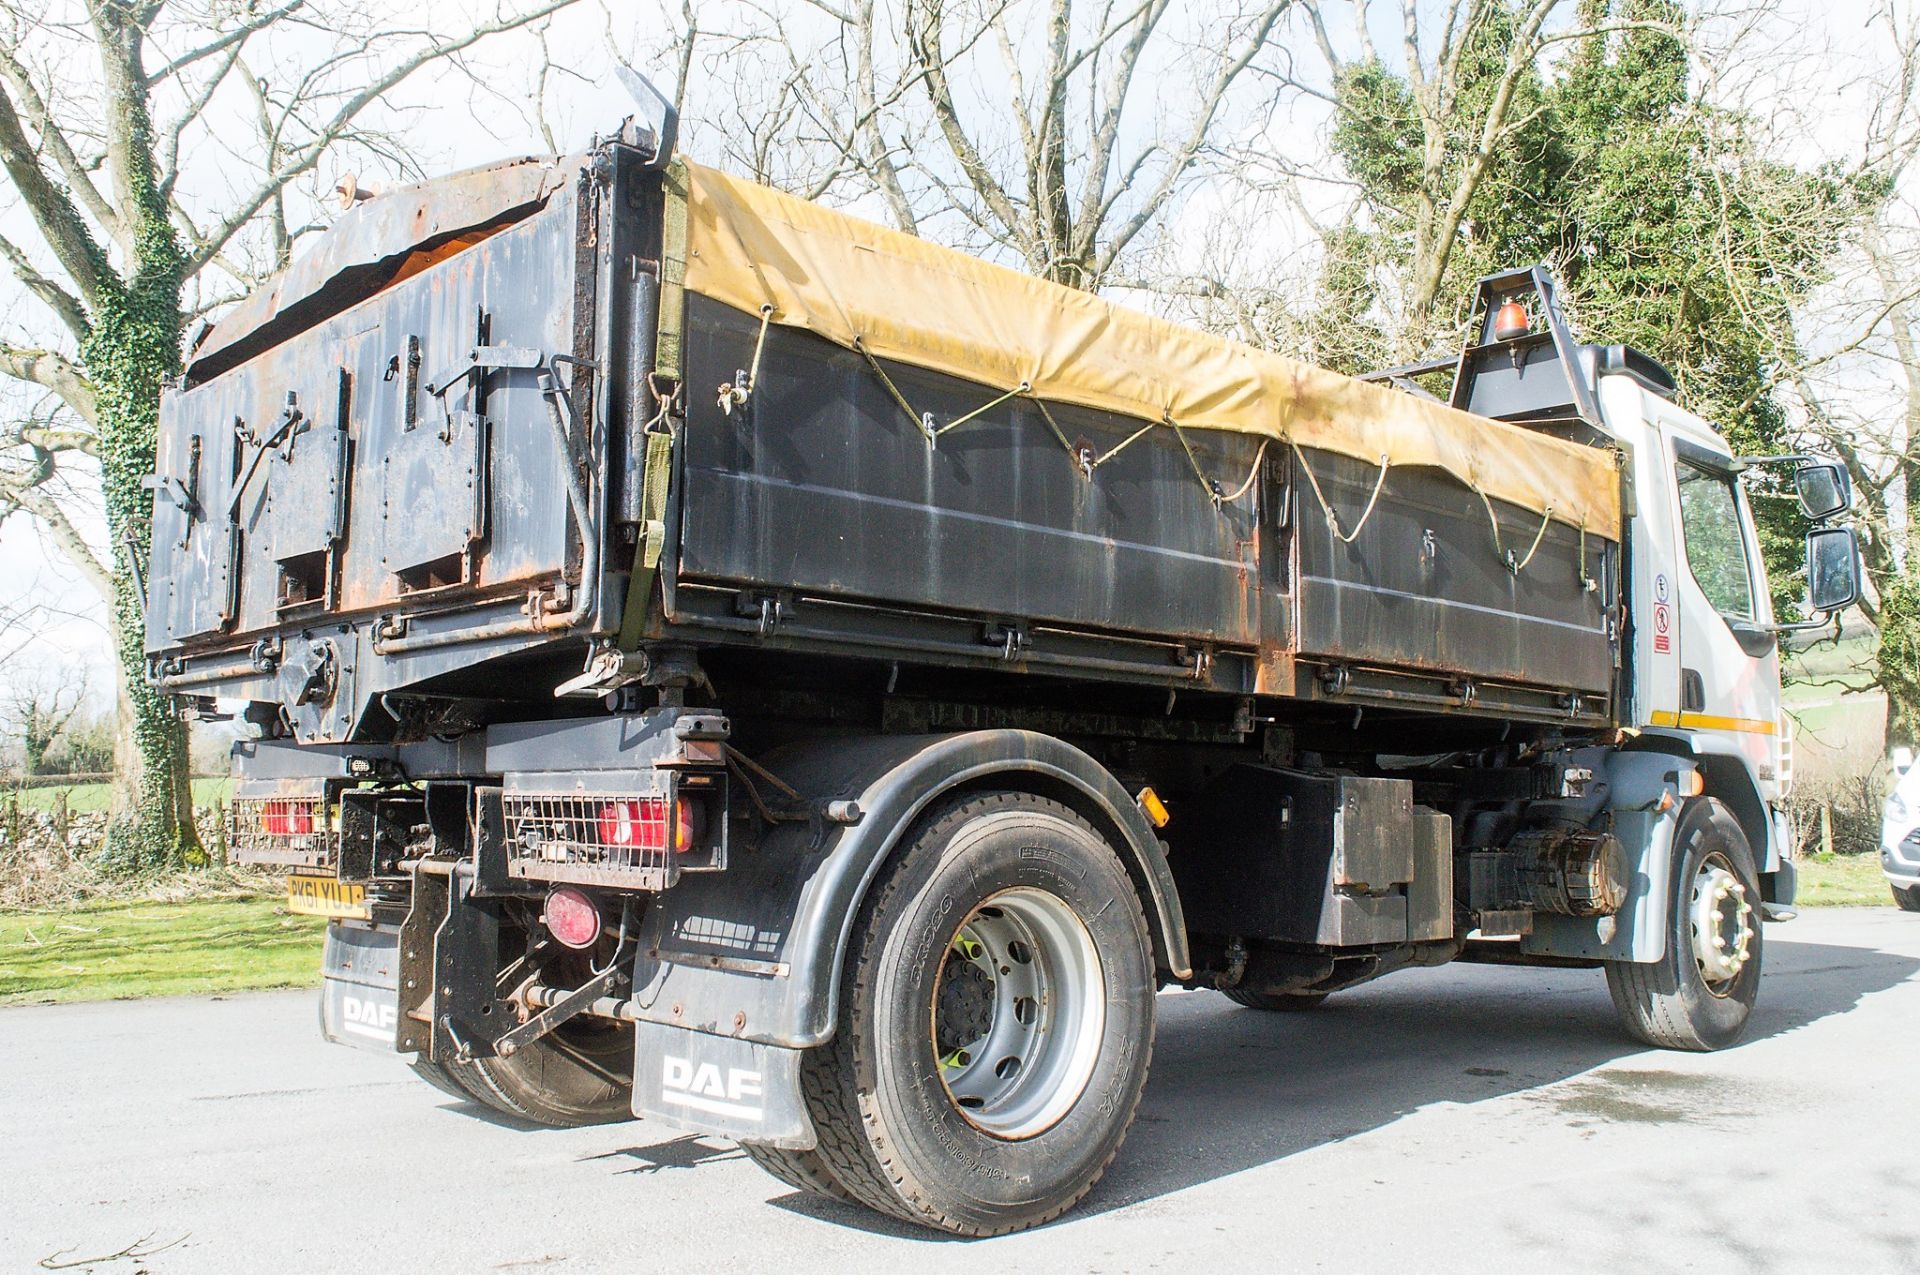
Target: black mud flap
[(360, 996), (720, 1085)]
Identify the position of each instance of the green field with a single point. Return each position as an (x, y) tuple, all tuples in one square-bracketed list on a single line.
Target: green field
[(105, 951), (1843, 881), (83, 799)]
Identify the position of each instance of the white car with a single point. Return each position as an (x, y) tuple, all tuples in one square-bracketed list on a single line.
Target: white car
[(1900, 834)]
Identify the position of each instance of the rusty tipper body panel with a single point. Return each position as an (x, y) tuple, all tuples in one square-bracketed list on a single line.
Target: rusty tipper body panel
[(363, 492), (336, 473), (718, 660)]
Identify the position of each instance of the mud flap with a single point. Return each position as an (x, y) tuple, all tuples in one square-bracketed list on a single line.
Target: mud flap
[(360, 995), (720, 1085)]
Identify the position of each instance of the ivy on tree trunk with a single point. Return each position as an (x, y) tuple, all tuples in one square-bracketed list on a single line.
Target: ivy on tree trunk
[(132, 350)]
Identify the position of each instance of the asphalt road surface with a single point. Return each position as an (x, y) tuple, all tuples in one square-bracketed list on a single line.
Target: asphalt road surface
[(1441, 1120)]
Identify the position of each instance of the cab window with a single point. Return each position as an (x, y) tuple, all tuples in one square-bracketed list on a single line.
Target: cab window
[(1716, 549)]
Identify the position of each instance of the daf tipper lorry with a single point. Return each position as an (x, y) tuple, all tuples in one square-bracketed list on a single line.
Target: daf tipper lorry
[(721, 661)]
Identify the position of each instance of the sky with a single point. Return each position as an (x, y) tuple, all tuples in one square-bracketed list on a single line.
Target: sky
[(494, 105)]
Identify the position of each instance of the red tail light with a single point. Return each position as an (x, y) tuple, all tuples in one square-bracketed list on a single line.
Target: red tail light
[(287, 818), (642, 824), (571, 918)]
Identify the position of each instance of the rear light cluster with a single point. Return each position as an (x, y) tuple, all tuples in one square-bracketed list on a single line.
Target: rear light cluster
[(642, 824), (287, 818), (288, 831), (607, 839)]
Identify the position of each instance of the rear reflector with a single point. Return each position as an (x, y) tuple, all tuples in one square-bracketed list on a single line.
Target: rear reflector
[(571, 918)]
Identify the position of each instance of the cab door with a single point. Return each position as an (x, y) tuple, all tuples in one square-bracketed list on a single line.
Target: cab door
[(1720, 610)]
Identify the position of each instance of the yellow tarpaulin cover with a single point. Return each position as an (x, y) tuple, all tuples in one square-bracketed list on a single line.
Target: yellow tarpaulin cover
[(912, 301)]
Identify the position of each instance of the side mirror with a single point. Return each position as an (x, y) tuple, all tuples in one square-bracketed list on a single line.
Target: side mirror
[(1824, 489), (1833, 569)]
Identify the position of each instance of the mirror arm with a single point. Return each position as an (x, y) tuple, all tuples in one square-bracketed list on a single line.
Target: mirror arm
[(1828, 619), (1753, 462)]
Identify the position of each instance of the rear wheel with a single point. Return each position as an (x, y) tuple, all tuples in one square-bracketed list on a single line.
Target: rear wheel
[(995, 1021), (1700, 994), (801, 1170), (441, 1078), (579, 1074), (1908, 899), (1280, 1003)]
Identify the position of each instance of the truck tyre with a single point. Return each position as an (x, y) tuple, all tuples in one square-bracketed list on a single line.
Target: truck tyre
[(1282, 1002), (441, 1078), (801, 1170), (995, 1021), (581, 1073), (1699, 995), (1908, 899)]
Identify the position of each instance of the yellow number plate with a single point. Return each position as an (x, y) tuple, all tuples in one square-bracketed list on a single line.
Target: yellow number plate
[(324, 896)]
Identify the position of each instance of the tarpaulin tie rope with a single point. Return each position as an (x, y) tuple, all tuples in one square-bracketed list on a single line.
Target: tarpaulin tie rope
[(1516, 565), (1333, 519), (1253, 472), (921, 421), (957, 422), (1081, 460), (1087, 463), (740, 390), (1212, 487)]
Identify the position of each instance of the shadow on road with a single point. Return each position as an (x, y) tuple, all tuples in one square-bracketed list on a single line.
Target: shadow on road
[(1233, 1089)]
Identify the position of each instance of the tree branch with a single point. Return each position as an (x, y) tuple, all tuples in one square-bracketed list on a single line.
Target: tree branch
[(227, 41), (305, 157), (51, 371), (65, 306), (59, 222)]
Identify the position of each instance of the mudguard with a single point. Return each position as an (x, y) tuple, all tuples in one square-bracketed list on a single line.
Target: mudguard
[(1639, 784), (754, 953)]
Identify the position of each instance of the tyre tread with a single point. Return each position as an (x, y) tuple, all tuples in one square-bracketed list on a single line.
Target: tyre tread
[(851, 1141), (802, 1170), (1647, 996)]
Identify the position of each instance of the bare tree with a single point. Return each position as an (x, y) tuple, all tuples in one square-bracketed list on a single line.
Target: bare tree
[(38, 708), (1053, 133), (147, 208)]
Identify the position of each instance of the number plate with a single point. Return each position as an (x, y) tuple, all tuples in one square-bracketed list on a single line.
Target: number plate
[(324, 896)]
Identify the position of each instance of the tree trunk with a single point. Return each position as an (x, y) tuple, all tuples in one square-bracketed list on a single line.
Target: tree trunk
[(1897, 654), (132, 350)]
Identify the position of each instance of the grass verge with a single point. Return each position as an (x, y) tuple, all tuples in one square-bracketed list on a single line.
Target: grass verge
[(90, 799), (1842, 881), (110, 950)]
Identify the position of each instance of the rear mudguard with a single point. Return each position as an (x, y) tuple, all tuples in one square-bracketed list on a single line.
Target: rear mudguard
[(754, 953)]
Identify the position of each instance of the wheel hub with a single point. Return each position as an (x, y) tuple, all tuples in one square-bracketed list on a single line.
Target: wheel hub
[(966, 1003), (1722, 925), (1018, 1013)]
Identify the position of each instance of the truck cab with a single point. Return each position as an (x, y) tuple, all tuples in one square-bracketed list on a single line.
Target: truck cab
[(1700, 669)]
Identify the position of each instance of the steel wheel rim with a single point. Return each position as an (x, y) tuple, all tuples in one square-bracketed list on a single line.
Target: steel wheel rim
[(1019, 1006), (1720, 920)]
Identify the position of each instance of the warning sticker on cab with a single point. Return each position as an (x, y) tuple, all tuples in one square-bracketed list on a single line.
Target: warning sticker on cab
[(1662, 628), (324, 896)]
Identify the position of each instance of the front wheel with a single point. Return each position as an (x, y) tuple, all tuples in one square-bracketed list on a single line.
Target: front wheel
[(995, 1021), (1699, 995)]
